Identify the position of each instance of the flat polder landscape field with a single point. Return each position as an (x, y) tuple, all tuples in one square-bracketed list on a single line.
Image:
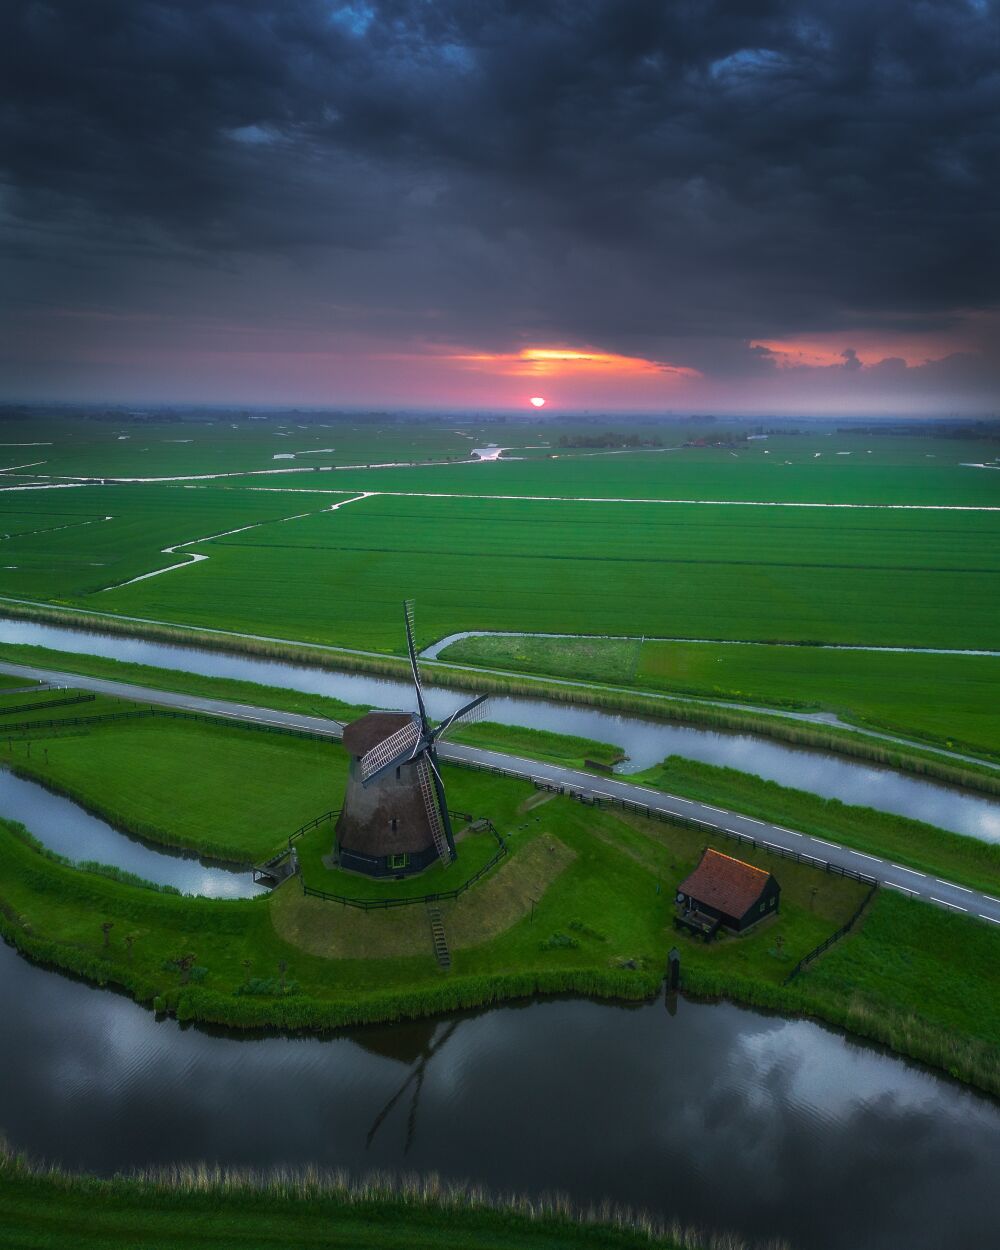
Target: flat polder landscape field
[(314, 532)]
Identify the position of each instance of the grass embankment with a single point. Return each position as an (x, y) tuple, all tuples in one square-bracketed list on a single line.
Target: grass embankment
[(843, 741), (42, 1209), (210, 787), (281, 698), (950, 701), (538, 744), (967, 860)]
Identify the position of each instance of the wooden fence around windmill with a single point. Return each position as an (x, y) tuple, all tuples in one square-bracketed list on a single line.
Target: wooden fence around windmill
[(273, 868)]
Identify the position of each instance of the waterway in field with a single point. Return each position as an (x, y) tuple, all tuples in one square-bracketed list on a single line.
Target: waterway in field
[(718, 1116), (646, 742), (63, 826)]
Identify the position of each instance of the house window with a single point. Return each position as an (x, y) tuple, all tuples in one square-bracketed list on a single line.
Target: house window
[(763, 906), (771, 904), (398, 861)]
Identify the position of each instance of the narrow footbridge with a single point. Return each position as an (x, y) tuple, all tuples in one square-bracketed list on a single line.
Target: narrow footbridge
[(577, 784)]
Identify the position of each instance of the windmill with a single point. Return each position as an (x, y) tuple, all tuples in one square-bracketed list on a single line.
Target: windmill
[(395, 820)]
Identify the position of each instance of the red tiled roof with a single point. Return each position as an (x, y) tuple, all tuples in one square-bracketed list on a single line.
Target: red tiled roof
[(729, 885), (371, 729)]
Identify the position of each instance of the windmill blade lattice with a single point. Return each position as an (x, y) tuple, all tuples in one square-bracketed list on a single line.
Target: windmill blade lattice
[(469, 714), (401, 745), (414, 666), (437, 811)]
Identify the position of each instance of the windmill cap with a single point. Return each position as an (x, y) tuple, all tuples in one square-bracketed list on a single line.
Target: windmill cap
[(372, 728)]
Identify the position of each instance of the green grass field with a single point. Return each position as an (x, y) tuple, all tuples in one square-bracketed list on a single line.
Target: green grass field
[(591, 568), (800, 574), (213, 788)]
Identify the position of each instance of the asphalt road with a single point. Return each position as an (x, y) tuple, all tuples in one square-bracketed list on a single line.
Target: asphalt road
[(907, 881)]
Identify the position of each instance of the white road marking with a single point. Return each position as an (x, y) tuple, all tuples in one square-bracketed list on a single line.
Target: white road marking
[(782, 829), (991, 898), (824, 842), (963, 888), (905, 890), (944, 903), (875, 859), (991, 919), (910, 870), (754, 822), (721, 810)]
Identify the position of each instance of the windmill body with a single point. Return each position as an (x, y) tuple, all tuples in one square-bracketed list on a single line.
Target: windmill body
[(384, 828), (395, 819)]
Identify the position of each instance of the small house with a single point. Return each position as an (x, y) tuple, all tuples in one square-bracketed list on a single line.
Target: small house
[(725, 893)]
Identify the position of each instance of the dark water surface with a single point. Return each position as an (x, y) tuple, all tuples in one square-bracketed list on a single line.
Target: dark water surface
[(646, 741), (721, 1117)]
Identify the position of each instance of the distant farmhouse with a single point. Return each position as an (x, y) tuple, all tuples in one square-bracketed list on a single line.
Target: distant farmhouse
[(725, 893)]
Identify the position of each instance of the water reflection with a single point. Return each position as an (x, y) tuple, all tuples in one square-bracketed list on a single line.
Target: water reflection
[(645, 741), (720, 1117)]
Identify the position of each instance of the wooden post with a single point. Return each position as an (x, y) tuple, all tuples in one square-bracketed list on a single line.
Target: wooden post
[(673, 969)]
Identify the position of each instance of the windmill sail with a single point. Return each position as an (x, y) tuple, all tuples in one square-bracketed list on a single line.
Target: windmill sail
[(414, 666), (444, 842), (470, 713), (401, 745)]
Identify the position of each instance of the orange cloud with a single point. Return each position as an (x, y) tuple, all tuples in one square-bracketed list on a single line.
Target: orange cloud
[(819, 351), (559, 361)]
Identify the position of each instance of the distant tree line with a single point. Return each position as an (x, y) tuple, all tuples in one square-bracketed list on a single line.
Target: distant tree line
[(609, 439)]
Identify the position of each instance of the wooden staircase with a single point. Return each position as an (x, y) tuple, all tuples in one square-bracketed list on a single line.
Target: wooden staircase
[(441, 952)]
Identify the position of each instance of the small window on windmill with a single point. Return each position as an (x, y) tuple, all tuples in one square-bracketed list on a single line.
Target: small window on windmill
[(393, 824), (398, 771), (398, 861)]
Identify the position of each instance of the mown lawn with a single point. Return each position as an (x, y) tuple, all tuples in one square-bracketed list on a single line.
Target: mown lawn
[(215, 788)]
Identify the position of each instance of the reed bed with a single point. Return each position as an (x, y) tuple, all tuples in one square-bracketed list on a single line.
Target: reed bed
[(603, 1222)]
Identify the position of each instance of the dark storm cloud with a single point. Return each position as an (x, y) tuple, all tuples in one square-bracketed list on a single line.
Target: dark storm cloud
[(669, 179)]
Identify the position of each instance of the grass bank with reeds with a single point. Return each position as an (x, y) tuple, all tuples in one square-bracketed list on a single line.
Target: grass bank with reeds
[(182, 1207)]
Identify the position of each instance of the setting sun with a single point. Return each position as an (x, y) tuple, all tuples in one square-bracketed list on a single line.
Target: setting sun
[(537, 401)]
